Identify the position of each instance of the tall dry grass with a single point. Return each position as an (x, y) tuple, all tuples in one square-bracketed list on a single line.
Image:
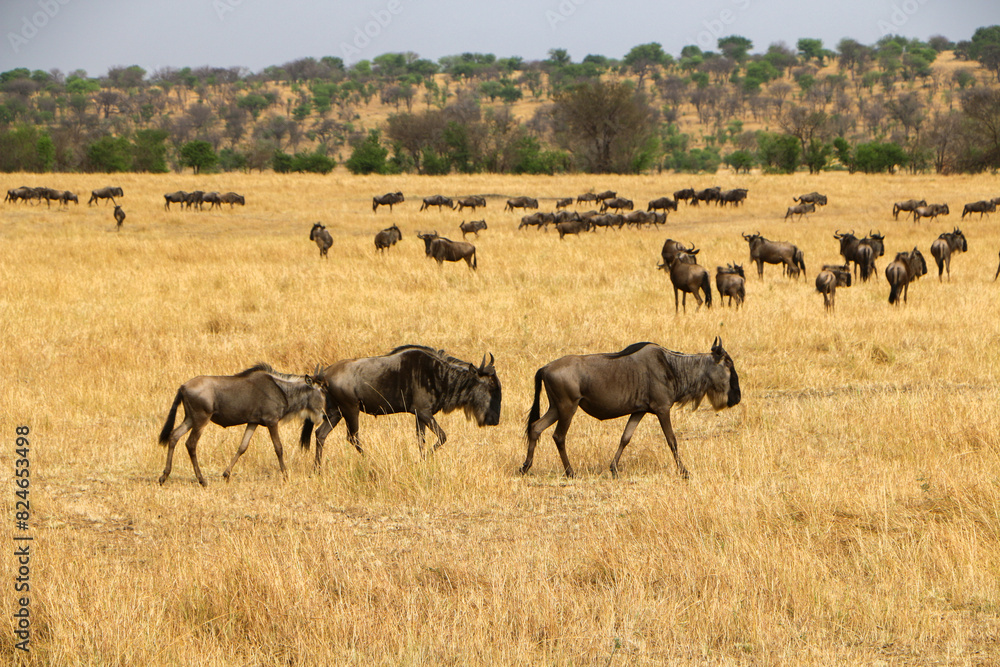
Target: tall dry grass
[(846, 512)]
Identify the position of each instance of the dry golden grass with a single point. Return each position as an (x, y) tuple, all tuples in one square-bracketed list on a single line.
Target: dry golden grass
[(846, 512)]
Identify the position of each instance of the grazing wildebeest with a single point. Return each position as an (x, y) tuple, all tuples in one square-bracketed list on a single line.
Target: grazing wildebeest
[(800, 210), (585, 197), (563, 203), (930, 211), (258, 396), (413, 379), (232, 198), (607, 194), (986, 206), (901, 271), (641, 379), (437, 200), (619, 204), (471, 202), (573, 227), (119, 216), (388, 237), (775, 252), (178, 197), (687, 277), (708, 195), (445, 250), (731, 282), (811, 198), (322, 237), (662, 204), (474, 226), (213, 199), (105, 193), (193, 199), (735, 196), (945, 246), (520, 202), (387, 199), (907, 206), (829, 279), (672, 248), (688, 194)]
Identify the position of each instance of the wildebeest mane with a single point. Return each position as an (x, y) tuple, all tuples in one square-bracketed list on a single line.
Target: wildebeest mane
[(631, 349), (441, 371)]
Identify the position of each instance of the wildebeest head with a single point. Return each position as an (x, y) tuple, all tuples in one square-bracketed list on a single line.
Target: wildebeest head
[(428, 239), (486, 395), (316, 228), (724, 383), (959, 240)]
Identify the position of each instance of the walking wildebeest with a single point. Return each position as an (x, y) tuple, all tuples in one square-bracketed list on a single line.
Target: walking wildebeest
[(471, 202), (986, 206), (930, 211), (213, 199), (388, 237), (708, 195), (731, 282), (387, 199), (775, 252), (945, 246), (68, 197), (573, 227), (619, 204), (606, 221), (105, 193), (436, 200), (641, 379), (445, 250), (586, 196), (662, 204), (736, 196), (901, 271), (688, 194), (232, 198), (811, 198), (563, 203), (474, 226), (687, 278), (907, 206), (322, 237), (829, 279), (671, 248), (538, 219), (413, 379), (119, 216), (520, 202), (258, 396), (193, 199), (800, 210), (607, 194), (178, 197)]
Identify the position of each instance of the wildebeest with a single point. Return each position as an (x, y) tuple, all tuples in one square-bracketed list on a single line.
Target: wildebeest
[(413, 379), (906, 206), (671, 248), (178, 197), (829, 279), (445, 250), (471, 202), (387, 199), (105, 193), (566, 216), (585, 197), (119, 217), (573, 227), (736, 196), (258, 396), (66, 197), (901, 271), (811, 198), (641, 379), (639, 218), (775, 252), (520, 202), (213, 199), (473, 226), (800, 210), (388, 237), (563, 203), (606, 221), (944, 246), (607, 194), (538, 219), (193, 199), (930, 211), (662, 204), (232, 198), (708, 195), (688, 194), (731, 282), (322, 237), (687, 277), (986, 206), (617, 203), (863, 252), (436, 200)]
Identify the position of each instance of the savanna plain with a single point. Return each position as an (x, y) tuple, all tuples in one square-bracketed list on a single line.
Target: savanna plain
[(846, 512)]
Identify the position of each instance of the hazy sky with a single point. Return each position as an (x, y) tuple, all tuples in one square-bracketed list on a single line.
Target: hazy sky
[(97, 34)]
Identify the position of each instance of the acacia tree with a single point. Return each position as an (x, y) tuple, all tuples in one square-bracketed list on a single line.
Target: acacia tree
[(643, 59), (608, 125)]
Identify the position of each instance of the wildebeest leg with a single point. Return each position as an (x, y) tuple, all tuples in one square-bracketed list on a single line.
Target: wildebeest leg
[(535, 432), (351, 419), (698, 299), (560, 439), (668, 432), (192, 446), (633, 421), (184, 427), (676, 305), (276, 439), (329, 423), (247, 434), (437, 431)]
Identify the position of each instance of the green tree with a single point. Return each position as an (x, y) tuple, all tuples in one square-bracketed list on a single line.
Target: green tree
[(26, 148), (645, 58), (811, 49), (740, 161), (109, 154), (149, 151), (985, 47), (199, 155), (817, 155), (877, 157), (735, 47), (369, 156), (778, 153)]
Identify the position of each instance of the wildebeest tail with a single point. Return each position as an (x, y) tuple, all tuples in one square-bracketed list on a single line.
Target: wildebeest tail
[(536, 411), (894, 293), (307, 427), (800, 260), (706, 285), (866, 270), (374, 204), (168, 427), (474, 265)]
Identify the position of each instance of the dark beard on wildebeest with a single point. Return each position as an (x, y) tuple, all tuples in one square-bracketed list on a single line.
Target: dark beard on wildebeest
[(414, 379)]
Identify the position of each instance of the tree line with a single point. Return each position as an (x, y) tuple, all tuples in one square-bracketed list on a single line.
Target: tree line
[(882, 108)]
